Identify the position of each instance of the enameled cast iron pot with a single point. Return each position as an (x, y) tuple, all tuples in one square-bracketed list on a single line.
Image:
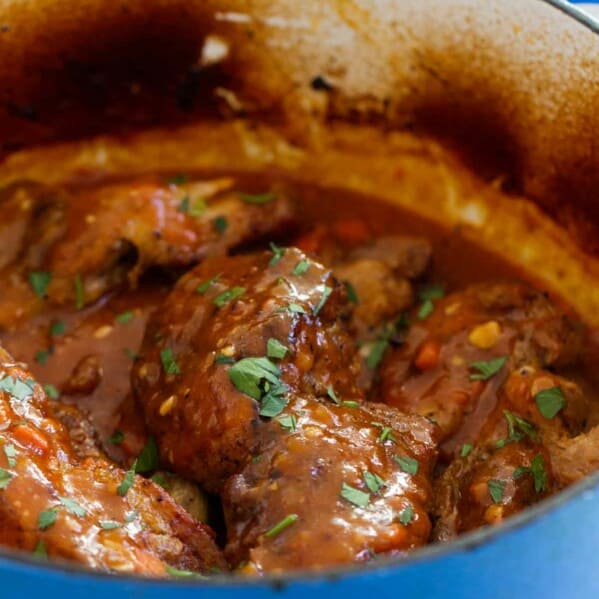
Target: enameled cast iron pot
[(512, 86)]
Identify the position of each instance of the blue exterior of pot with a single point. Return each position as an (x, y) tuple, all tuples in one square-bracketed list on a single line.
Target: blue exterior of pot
[(550, 551)]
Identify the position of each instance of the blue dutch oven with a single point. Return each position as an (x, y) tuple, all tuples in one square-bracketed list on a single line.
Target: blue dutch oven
[(550, 550)]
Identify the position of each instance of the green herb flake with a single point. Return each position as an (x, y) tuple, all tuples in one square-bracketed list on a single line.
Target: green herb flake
[(277, 254), (259, 198), (72, 506), (57, 328), (387, 435), (354, 496), (293, 308), (222, 359), (248, 373), (487, 369), (147, 460), (352, 295), (496, 488), (272, 405), (426, 309), (177, 179), (79, 292), (407, 464), (280, 526), (221, 224), (466, 449), (202, 288), (39, 282), (194, 208), (301, 268), (326, 292), (176, 573), (431, 292), (127, 481), (332, 395), (51, 391), (407, 515), (518, 429), (17, 389), (350, 404), (288, 422), (169, 364), (160, 478), (5, 478), (109, 524), (275, 349), (116, 438), (229, 295), (537, 470), (125, 317), (373, 481), (42, 355), (376, 353), (40, 552), (550, 402), (11, 453), (46, 519), (131, 516)]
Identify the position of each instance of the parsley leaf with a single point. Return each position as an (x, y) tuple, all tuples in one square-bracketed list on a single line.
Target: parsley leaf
[(42, 355), (221, 224), (301, 268), (407, 464), (407, 515), (354, 496), (226, 296), (537, 469), (275, 349), (39, 282), (116, 438), (194, 208), (279, 527), (176, 573), (17, 389), (332, 395), (202, 288), (426, 309), (222, 359), (51, 391), (373, 481), (46, 519), (496, 488), (487, 369), (293, 308), (72, 506), (260, 198), (518, 428), (177, 179), (273, 403), (10, 452), (127, 481), (466, 449), (377, 351), (109, 524), (57, 328), (40, 552), (169, 364), (248, 373), (352, 295), (5, 478), (431, 292), (288, 422), (148, 458), (550, 402), (277, 254), (124, 317), (323, 299)]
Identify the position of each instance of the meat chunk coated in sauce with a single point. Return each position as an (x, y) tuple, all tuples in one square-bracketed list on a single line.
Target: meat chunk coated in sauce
[(248, 379), (88, 511), (75, 247)]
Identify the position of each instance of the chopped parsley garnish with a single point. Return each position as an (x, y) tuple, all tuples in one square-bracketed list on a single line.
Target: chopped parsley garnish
[(176, 573), (425, 310), (258, 198), (293, 308), (350, 404), (169, 364), (387, 435), (260, 379), (373, 481), (518, 429), (51, 391), (550, 402), (42, 355), (202, 288), (288, 422), (354, 496), (160, 478), (124, 317), (17, 389), (109, 525), (40, 552), (332, 395), (194, 208), (496, 488), (72, 506), (221, 224), (326, 292), (39, 282), (127, 481), (487, 369), (46, 519), (407, 515), (148, 458), (222, 359), (116, 438), (177, 179), (275, 349), (10, 452), (277, 254), (377, 351), (79, 293), (537, 469), (226, 296), (57, 328), (280, 526), (466, 449), (301, 268), (5, 478), (407, 464), (431, 292), (352, 296)]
